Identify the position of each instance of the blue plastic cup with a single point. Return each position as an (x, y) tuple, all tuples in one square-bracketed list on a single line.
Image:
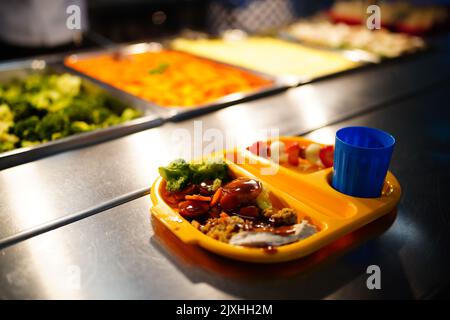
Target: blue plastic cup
[(361, 161)]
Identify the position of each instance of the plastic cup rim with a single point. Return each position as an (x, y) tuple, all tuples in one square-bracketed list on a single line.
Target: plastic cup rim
[(367, 148)]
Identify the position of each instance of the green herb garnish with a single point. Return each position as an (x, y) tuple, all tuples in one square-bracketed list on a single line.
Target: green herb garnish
[(161, 68)]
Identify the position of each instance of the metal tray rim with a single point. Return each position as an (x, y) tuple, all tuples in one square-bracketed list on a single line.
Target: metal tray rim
[(175, 112)]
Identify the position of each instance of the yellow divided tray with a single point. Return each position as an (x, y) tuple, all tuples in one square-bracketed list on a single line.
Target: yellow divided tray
[(310, 194)]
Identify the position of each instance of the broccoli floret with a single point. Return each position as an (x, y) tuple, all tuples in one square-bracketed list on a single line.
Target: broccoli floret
[(4, 127), (59, 103), (35, 82), (27, 129), (52, 92), (6, 118), (78, 111), (99, 115), (88, 109), (26, 143), (40, 100), (111, 103), (179, 173), (130, 114), (56, 135), (112, 120), (7, 142), (23, 110), (67, 84), (176, 175), (12, 93), (51, 124), (5, 113), (209, 170), (6, 146), (80, 126)]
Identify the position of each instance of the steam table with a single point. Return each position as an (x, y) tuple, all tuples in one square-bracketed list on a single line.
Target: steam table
[(119, 253)]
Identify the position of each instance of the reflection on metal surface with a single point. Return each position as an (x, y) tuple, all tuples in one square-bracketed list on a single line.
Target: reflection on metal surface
[(29, 206), (312, 105), (236, 124), (30, 209), (38, 64), (325, 135), (361, 55), (147, 151), (143, 47), (57, 275)]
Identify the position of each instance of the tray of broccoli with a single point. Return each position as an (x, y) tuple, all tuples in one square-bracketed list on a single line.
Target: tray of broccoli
[(44, 109)]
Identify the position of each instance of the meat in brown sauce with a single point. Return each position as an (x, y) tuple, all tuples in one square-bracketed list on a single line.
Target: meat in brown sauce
[(238, 193), (235, 211)]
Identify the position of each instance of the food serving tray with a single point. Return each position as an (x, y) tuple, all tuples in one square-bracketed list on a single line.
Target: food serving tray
[(361, 58), (175, 113), (311, 195), (358, 55), (364, 57), (21, 68)]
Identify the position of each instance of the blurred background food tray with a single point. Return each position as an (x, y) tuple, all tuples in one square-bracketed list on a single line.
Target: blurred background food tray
[(354, 41), (152, 75), (272, 54)]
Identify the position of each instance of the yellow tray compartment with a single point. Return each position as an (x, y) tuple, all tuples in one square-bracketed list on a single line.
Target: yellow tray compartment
[(311, 195)]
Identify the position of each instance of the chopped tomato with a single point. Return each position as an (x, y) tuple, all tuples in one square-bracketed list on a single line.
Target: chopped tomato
[(177, 196), (302, 153), (294, 144), (293, 152), (326, 155)]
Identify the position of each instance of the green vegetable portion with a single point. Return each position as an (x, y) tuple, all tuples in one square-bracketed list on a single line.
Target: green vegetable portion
[(210, 169), (179, 173), (45, 107), (7, 140)]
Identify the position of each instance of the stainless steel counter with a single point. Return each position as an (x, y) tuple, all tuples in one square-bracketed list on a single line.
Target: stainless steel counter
[(120, 255), (41, 191)]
